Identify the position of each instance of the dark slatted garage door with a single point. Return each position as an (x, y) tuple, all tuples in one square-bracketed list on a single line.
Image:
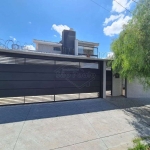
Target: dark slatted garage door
[(26, 79)]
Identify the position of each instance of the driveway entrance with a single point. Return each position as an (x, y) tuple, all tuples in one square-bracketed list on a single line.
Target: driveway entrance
[(95, 124), (29, 77)]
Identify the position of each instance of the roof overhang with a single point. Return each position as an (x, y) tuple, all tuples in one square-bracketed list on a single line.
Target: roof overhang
[(35, 53), (87, 44), (47, 43)]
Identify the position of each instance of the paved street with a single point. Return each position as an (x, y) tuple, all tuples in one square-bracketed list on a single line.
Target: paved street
[(95, 124)]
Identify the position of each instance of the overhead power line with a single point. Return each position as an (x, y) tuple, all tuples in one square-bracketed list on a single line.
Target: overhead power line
[(100, 6), (116, 2), (123, 6), (135, 1)]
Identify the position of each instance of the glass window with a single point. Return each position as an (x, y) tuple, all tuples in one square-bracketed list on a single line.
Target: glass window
[(80, 50), (57, 49)]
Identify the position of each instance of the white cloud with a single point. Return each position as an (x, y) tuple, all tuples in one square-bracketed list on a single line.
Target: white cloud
[(60, 28), (112, 18), (29, 47), (118, 8), (117, 26), (117, 21), (12, 38)]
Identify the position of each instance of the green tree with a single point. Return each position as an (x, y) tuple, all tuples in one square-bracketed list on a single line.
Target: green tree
[(132, 47)]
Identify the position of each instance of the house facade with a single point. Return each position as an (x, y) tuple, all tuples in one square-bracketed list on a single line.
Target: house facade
[(69, 69), (69, 45)]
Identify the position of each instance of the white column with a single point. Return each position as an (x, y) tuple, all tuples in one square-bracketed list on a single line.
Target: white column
[(104, 79), (116, 86), (76, 47)]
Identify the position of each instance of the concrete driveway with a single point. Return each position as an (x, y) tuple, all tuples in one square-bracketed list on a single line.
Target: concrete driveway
[(94, 124)]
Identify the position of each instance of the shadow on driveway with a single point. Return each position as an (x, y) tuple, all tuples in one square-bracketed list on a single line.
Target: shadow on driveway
[(9, 114), (16, 113), (138, 109)]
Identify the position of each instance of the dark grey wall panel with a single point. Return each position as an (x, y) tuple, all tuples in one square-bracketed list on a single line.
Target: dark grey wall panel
[(27, 68), (108, 80), (78, 76), (26, 76), (46, 84), (101, 67), (11, 76), (26, 92), (76, 84), (76, 90), (51, 91), (26, 84), (46, 79)]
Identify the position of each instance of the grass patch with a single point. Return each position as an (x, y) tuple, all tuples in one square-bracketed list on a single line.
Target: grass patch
[(139, 145)]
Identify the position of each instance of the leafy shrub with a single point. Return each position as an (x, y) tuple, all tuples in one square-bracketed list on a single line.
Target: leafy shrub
[(138, 145)]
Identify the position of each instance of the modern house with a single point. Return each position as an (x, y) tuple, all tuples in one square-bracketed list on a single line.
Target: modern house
[(69, 45), (66, 70)]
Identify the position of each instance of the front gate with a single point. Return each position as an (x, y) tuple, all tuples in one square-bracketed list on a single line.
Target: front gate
[(32, 77)]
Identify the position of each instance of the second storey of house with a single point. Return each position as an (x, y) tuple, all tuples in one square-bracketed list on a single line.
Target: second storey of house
[(68, 45)]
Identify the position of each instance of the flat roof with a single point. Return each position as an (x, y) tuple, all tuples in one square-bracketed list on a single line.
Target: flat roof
[(35, 53), (47, 42), (85, 43)]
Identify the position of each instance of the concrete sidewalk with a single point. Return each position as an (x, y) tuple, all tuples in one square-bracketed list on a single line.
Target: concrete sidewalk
[(95, 124)]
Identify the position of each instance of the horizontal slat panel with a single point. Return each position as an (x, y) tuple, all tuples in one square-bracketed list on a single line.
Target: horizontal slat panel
[(44, 68), (77, 77), (78, 84), (7, 60), (26, 76), (50, 91), (27, 68), (45, 76), (67, 63), (77, 74), (76, 90), (46, 84), (26, 92), (72, 70), (89, 65), (39, 61), (26, 84)]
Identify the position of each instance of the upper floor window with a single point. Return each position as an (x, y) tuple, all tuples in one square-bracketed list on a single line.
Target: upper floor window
[(57, 49)]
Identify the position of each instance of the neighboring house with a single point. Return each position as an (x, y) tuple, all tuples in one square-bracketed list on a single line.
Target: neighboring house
[(68, 45)]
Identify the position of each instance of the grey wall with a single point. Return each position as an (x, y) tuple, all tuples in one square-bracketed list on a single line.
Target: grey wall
[(136, 90), (116, 86)]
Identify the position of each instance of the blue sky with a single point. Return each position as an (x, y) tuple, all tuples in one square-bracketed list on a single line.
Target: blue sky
[(25, 20)]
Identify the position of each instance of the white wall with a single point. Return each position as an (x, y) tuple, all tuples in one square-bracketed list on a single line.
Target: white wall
[(116, 86), (136, 90), (46, 49), (76, 47)]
